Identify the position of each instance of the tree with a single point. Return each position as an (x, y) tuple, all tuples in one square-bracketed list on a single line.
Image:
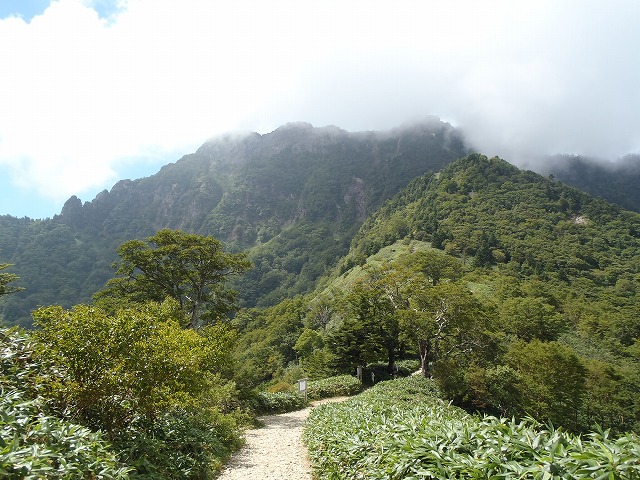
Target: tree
[(434, 265), (349, 346), (308, 342), (529, 318), (374, 310), (445, 320), (189, 268), (552, 380), (5, 279)]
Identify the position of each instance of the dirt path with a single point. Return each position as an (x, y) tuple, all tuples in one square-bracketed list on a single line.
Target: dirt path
[(275, 451)]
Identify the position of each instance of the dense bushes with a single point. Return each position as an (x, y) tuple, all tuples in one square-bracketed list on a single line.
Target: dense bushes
[(157, 392), (182, 444), (33, 443), (400, 429), (279, 402), (287, 401), (36, 445), (342, 385), (139, 362)]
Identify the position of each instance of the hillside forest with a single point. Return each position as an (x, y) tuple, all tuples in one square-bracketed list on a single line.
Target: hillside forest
[(514, 295)]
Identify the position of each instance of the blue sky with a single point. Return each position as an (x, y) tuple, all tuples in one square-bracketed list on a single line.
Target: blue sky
[(27, 9), (93, 91)]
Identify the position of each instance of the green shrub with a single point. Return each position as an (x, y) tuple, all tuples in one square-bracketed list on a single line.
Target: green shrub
[(279, 402), (156, 389), (33, 443), (401, 430), (280, 386), (402, 368), (181, 444), (407, 367), (342, 385)]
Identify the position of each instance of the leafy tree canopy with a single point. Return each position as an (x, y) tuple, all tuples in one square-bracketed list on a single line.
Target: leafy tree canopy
[(6, 279), (189, 268)]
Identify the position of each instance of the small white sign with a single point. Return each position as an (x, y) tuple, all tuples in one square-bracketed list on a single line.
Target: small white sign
[(302, 385)]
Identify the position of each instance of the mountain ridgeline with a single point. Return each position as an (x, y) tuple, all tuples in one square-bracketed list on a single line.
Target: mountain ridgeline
[(293, 199), (616, 182), (359, 243), (498, 214)]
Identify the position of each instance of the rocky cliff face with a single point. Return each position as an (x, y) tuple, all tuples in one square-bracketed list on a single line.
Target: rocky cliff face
[(293, 199), (236, 184)]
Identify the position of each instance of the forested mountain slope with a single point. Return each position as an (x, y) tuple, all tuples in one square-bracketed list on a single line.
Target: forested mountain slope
[(520, 290), (617, 182), (518, 293), (581, 253), (293, 198), (492, 211)]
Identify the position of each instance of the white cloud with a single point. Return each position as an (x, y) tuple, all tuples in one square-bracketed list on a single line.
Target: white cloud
[(81, 95)]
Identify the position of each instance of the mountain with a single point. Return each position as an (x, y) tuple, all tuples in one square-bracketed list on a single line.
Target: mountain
[(617, 182), (543, 276), (479, 207), (536, 282), (292, 198)]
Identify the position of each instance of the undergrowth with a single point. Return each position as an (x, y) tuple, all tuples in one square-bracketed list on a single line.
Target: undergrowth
[(340, 386), (401, 429)]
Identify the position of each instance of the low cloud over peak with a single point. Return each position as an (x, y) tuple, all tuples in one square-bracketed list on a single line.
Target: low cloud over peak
[(90, 87)]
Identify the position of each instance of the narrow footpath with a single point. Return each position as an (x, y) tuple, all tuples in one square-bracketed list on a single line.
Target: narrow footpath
[(275, 451)]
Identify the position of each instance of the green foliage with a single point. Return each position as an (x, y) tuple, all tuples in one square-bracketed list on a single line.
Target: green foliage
[(339, 386), (611, 397), (138, 362), (308, 341), (156, 389), (401, 430), (34, 443), (267, 340), (180, 444), (529, 318), (552, 377), (279, 402), (407, 367), (445, 321), (349, 345), (370, 330), (6, 279), (191, 269), (55, 266), (320, 364)]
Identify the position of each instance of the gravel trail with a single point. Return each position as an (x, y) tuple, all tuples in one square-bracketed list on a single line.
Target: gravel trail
[(275, 451)]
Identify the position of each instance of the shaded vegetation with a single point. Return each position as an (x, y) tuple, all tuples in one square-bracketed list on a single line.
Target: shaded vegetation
[(616, 182)]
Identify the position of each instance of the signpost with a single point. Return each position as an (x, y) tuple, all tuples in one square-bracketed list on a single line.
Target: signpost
[(302, 387)]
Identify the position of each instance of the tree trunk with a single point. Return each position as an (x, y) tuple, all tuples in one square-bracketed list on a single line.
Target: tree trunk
[(392, 360), (424, 347)]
